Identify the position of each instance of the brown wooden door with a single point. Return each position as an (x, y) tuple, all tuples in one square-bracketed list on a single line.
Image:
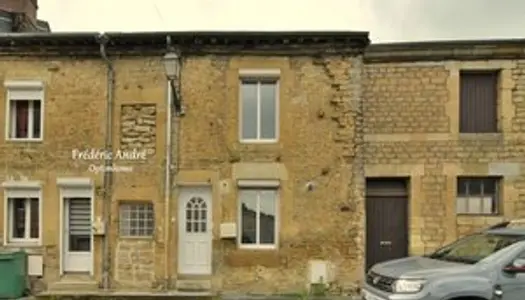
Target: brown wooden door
[(386, 220)]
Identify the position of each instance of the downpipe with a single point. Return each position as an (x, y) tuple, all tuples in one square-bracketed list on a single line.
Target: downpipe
[(167, 177), (108, 162)]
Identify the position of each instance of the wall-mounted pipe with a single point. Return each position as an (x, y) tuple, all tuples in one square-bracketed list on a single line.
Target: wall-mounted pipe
[(167, 179), (108, 162)]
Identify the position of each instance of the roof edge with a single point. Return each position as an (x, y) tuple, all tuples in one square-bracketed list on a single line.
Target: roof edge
[(445, 50), (62, 43)]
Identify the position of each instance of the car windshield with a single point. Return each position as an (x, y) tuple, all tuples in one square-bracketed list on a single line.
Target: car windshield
[(473, 248)]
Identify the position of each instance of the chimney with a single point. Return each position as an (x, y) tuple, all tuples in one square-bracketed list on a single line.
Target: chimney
[(27, 7)]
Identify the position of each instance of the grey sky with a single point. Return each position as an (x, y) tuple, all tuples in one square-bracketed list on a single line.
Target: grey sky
[(387, 20)]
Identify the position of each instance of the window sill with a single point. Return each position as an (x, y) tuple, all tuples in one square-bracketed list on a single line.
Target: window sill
[(258, 247), (488, 136), (467, 215), (137, 238), (258, 142), (22, 244), (24, 140)]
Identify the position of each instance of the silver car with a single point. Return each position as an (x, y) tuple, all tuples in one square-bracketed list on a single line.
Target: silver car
[(489, 265)]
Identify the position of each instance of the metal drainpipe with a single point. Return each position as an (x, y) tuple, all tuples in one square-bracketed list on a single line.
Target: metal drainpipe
[(167, 182), (108, 176)]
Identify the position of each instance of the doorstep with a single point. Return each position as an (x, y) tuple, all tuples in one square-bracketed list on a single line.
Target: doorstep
[(74, 283)]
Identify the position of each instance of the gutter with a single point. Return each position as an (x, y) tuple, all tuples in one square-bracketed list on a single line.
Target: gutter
[(108, 176), (167, 177)]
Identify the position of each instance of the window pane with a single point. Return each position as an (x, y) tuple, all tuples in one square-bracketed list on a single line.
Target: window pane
[(149, 224), (268, 110), (249, 110), (462, 187), (248, 217), (20, 113), (36, 118), (474, 187), (267, 217), (35, 226), (79, 243), (203, 215), (18, 224), (136, 219), (489, 186)]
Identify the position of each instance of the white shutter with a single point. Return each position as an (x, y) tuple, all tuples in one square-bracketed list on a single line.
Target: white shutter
[(461, 205), (487, 205), (474, 205), (79, 216)]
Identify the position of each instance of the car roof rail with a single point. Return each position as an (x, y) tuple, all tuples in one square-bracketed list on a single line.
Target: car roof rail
[(514, 223), (504, 224), (517, 223)]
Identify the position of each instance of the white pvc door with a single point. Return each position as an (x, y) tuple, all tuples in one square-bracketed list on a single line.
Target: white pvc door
[(195, 238), (77, 235)]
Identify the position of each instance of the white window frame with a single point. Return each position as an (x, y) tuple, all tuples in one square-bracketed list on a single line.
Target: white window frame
[(258, 75), (258, 185), (131, 204), (24, 90), (19, 189)]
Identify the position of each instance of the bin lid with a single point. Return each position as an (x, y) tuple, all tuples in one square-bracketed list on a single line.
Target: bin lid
[(11, 251)]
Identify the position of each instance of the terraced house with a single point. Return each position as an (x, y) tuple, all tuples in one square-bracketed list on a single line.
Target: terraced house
[(443, 140), (219, 184), (250, 162)]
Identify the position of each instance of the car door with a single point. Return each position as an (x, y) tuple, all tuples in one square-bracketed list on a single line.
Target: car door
[(512, 284)]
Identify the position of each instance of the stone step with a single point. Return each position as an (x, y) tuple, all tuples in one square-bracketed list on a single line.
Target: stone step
[(73, 284)]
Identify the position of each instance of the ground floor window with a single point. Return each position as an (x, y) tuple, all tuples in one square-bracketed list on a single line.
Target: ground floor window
[(23, 218), (258, 217), (478, 195), (136, 219)]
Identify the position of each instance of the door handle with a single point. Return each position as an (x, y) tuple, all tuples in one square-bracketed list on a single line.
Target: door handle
[(385, 243)]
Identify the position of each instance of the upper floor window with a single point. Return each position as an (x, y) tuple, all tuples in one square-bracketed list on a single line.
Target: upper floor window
[(478, 195), (24, 104), (478, 109), (259, 109)]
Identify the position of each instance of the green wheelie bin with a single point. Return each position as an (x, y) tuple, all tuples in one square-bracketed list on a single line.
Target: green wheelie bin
[(13, 274)]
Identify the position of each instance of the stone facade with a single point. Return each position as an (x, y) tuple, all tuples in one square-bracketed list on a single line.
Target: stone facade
[(343, 116), (75, 119), (319, 99), (412, 129)]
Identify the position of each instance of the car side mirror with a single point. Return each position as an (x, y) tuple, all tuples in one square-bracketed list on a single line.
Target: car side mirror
[(517, 266)]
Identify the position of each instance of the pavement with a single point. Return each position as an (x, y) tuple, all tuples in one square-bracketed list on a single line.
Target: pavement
[(188, 296)]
